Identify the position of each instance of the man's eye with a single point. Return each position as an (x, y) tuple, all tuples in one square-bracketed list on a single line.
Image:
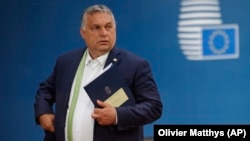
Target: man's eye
[(108, 27), (95, 28)]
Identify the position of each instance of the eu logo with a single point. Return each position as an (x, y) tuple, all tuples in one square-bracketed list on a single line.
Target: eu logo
[(220, 42), (202, 33)]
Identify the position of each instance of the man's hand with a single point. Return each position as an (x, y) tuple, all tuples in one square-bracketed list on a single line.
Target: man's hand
[(106, 115), (47, 122)]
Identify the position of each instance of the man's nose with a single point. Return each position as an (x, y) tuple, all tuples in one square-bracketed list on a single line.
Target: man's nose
[(103, 31)]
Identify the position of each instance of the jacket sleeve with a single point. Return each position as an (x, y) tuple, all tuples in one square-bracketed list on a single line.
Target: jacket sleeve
[(45, 97)]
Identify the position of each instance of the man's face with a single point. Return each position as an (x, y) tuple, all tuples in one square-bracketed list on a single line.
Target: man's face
[(99, 33)]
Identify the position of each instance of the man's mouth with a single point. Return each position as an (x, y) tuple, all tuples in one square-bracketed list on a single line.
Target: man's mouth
[(103, 41)]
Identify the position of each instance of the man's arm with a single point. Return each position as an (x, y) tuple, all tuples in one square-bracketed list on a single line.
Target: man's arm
[(44, 100)]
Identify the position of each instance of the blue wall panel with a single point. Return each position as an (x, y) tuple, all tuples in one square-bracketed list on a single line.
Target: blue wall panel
[(34, 33)]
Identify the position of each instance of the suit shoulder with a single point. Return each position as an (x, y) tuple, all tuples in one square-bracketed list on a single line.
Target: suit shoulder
[(131, 56)]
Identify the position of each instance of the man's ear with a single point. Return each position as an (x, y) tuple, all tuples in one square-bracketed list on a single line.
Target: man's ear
[(82, 32)]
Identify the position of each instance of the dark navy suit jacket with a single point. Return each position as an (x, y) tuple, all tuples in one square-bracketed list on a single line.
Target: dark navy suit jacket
[(137, 74)]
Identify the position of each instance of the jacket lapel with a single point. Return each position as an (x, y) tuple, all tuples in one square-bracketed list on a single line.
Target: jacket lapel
[(114, 57)]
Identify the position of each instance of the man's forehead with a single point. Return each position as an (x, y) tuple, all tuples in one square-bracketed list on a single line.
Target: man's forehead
[(99, 19)]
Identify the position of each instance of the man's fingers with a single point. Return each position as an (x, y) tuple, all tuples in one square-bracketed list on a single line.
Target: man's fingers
[(97, 113), (47, 122), (102, 104)]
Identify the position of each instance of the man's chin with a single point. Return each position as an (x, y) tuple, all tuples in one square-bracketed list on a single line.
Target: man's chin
[(104, 48)]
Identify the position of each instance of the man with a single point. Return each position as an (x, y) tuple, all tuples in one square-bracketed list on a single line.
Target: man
[(75, 118)]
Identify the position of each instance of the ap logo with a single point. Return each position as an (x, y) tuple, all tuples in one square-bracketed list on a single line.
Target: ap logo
[(202, 36)]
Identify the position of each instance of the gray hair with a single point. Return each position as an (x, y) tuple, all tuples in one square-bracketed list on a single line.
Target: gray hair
[(95, 8)]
